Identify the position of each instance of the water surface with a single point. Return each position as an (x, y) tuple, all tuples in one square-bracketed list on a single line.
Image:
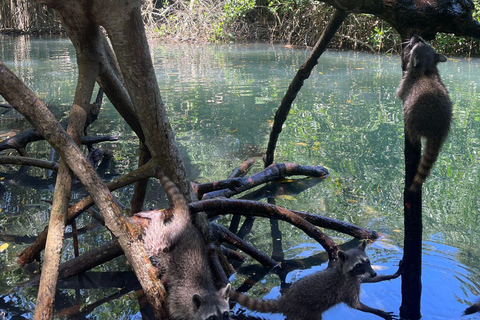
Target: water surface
[(221, 100)]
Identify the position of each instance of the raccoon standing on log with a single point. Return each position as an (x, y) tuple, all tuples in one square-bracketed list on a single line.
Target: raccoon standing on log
[(312, 295), (427, 109), (178, 250)]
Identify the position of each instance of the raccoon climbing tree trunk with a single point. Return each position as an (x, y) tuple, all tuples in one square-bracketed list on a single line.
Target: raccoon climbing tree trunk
[(412, 241)]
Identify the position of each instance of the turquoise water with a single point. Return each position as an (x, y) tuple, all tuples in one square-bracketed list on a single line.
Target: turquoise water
[(221, 100)]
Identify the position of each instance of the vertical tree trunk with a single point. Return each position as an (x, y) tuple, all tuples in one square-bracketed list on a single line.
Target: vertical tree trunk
[(412, 255)]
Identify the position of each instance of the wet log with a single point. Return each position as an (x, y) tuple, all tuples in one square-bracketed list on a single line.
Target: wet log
[(243, 169), (27, 161), (273, 172), (252, 208)]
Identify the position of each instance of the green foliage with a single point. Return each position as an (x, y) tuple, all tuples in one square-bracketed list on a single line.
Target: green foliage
[(237, 9)]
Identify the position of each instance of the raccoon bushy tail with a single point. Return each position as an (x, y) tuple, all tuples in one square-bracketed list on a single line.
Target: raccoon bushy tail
[(267, 306), (430, 155), (472, 309), (156, 237)]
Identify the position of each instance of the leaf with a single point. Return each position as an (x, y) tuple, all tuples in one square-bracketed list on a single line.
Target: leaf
[(352, 200), (3, 247), (302, 144), (234, 131)]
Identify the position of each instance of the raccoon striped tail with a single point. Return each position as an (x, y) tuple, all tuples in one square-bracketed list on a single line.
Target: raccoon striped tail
[(173, 193), (472, 309), (429, 157), (162, 234), (266, 306)]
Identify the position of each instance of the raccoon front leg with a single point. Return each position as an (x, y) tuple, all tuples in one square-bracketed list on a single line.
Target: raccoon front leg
[(380, 313)]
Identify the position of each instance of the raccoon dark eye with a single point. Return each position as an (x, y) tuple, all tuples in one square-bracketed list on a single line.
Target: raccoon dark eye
[(226, 315), (212, 318), (359, 268)]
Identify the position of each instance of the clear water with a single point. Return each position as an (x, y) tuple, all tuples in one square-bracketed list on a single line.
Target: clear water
[(221, 100)]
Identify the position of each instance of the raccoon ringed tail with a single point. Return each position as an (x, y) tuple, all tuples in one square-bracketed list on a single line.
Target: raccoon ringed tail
[(266, 306), (429, 157), (160, 236), (172, 191), (472, 309)]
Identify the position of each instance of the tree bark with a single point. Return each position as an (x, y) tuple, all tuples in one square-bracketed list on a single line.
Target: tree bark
[(88, 72)]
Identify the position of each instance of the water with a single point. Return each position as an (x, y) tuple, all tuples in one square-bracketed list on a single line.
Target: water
[(221, 100)]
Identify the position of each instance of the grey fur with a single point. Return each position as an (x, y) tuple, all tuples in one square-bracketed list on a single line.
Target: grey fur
[(312, 295), (427, 108), (179, 251)]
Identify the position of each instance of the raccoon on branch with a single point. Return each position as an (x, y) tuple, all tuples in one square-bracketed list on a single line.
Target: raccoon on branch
[(312, 295), (178, 250), (427, 108)]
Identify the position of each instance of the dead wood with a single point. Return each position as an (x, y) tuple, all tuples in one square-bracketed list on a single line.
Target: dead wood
[(26, 161), (273, 172), (243, 169)]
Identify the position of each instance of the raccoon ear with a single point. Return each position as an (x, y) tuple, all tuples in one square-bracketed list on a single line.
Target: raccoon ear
[(440, 58), (225, 292), (362, 245), (197, 301), (342, 256), (415, 62)]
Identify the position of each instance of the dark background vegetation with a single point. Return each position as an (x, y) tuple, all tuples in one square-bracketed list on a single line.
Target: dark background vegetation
[(290, 22)]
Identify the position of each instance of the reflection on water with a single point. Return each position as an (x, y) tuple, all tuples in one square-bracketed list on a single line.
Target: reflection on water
[(221, 100)]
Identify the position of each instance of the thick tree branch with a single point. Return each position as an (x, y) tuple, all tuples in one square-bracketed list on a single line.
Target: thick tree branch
[(273, 172), (425, 18), (26, 161)]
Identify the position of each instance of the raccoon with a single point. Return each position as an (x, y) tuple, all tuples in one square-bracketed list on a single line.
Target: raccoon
[(427, 108), (178, 250), (310, 296)]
